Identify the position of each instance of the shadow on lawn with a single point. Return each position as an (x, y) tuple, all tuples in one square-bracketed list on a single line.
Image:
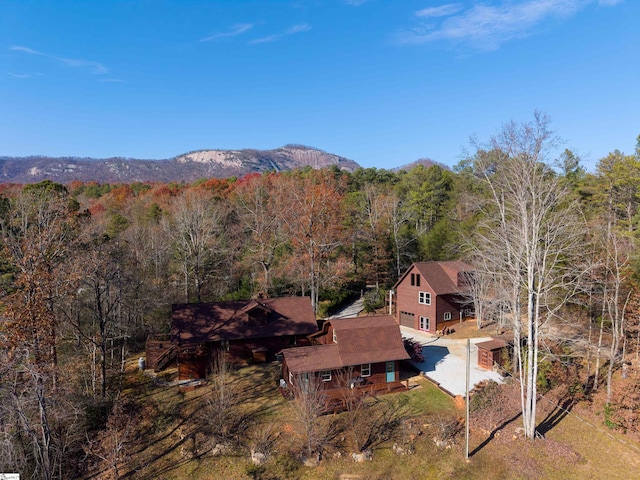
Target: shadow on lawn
[(555, 416), (493, 434), (551, 420)]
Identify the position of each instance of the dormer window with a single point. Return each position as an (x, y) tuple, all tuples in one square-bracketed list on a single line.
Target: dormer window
[(257, 313)]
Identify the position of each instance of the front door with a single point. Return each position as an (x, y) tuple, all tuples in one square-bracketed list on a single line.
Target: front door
[(391, 372)]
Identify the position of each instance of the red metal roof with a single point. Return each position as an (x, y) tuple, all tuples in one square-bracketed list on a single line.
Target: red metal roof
[(211, 322), (359, 340)]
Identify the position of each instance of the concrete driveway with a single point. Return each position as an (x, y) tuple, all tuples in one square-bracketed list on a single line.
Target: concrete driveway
[(445, 361), (351, 310)]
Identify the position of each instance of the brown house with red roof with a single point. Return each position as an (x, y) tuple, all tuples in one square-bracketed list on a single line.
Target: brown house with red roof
[(360, 352), (432, 296), (255, 329)]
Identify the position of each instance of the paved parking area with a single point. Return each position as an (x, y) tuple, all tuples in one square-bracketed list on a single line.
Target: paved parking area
[(445, 361)]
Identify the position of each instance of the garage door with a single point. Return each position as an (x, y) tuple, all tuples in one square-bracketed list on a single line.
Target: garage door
[(407, 319)]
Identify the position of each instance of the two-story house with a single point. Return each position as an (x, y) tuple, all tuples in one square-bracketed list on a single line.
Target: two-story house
[(432, 296)]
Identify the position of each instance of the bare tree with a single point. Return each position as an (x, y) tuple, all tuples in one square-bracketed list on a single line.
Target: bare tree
[(400, 217), (100, 302), (309, 404), (111, 444), (194, 230), (527, 238), (262, 219), (617, 197), (616, 294), (367, 423), (370, 212), (222, 413), (38, 427)]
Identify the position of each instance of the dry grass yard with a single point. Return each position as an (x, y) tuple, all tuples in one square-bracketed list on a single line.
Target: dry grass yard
[(167, 438)]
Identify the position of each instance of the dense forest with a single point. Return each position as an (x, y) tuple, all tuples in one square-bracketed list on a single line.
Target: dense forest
[(89, 270)]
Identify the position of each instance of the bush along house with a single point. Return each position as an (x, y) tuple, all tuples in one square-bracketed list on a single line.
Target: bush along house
[(252, 330), (433, 296), (362, 353)]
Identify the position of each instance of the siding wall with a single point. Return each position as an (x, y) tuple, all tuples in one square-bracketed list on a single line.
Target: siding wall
[(407, 301), (377, 379), (446, 303), (326, 339), (407, 298)]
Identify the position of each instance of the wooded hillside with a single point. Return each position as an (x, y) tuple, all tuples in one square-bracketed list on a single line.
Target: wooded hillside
[(89, 270)]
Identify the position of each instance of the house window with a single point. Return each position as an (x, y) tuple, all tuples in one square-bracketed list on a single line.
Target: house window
[(425, 324), (424, 298), (291, 378), (325, 375), (365, 370), (447, 315), (415, 279), (335, 337)]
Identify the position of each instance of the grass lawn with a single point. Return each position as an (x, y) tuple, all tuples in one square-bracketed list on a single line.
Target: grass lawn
[(166, 443)]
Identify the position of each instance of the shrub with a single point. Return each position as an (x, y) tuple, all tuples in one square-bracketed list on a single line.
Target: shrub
[(414, 349), (374, 299)]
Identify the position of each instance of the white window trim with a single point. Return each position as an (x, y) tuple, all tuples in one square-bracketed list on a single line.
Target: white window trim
[(335, 336), (424, 298), (325, 375), (291, 378), (428, 323), (447, 315), (363, 367)]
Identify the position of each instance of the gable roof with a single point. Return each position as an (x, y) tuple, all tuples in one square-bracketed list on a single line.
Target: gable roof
[(442, 277), (360, 340), (212, 322)]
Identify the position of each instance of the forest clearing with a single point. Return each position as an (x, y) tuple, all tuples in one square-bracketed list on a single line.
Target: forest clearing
[(166, 437)]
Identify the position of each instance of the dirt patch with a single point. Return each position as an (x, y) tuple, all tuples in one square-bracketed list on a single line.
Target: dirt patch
[(469, 329)]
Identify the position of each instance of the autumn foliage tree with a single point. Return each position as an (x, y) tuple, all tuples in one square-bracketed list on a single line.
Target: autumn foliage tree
[(37, 233), (309, 203)]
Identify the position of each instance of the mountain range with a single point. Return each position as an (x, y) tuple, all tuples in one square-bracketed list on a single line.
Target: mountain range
[(187, 167)]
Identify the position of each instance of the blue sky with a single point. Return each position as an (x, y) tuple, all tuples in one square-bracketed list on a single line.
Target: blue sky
[(379, 81)]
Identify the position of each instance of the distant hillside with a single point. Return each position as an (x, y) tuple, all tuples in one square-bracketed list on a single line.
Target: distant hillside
[(188, 167), (426, 162)]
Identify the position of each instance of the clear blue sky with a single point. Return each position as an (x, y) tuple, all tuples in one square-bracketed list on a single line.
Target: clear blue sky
[(383, 82)]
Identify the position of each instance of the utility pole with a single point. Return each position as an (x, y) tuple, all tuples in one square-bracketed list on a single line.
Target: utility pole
[(466, 423)]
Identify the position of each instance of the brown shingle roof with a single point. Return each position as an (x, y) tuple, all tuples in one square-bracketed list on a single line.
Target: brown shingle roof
[(211, 322), (359, 340), (313, 359), (493, 344), (442, 277)]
